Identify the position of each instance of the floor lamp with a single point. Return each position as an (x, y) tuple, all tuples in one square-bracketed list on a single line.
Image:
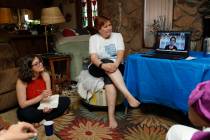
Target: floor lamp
[(51, 15)]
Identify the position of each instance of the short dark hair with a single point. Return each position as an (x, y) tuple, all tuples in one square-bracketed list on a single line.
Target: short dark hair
[(25, 67), (99, 21), (173, 37)]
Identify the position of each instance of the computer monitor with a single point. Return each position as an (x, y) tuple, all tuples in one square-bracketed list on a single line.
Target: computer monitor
[(173, 40)]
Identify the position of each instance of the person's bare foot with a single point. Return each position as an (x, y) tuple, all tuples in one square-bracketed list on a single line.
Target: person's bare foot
[(113, 123), (133, 102)]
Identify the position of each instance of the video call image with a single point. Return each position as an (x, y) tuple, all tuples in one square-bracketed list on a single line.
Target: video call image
[(172, 41)]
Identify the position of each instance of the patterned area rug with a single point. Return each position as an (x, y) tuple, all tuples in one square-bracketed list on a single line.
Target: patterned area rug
[(3, 124), (83, 124)]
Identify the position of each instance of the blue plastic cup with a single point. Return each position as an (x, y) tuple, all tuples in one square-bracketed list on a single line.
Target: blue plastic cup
[(48, 125)]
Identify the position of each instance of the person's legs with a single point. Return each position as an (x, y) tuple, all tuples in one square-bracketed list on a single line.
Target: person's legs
[(115, 78), (111, 82), (118, 81), (62, 106), (111, 95), (30, 114), (180, 132)]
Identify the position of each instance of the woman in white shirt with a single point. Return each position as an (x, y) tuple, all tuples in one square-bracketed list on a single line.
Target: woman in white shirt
[(106, 50)]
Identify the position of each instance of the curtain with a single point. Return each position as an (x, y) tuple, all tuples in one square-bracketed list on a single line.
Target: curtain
[(158, 15)]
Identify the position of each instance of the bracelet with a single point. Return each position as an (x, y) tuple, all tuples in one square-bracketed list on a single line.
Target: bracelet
[(100, 65)]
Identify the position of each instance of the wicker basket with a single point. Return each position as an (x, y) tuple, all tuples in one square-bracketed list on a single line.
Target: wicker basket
[(74, 97), (99, 99)]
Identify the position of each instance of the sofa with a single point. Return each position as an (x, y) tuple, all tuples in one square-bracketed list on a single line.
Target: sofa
[(8, 76)]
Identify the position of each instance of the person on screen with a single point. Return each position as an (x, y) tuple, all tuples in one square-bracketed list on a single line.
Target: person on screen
[(106, 50), (172, 45)]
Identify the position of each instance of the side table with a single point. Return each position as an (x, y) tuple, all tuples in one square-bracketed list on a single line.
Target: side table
[(55, 63), (59, 67)]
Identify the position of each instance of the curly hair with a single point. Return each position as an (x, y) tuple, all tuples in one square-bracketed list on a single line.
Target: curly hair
[(25, 68)]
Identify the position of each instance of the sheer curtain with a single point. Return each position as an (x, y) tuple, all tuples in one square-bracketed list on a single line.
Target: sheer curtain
[(160, 11)]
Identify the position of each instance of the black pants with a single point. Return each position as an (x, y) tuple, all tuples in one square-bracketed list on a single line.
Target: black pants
[(32, 115), (98, 72)]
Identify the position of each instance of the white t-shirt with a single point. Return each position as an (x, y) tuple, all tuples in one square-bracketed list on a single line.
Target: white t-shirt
[(106, 48)]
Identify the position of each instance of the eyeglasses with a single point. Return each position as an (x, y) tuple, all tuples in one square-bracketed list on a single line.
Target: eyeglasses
[(37, 64)]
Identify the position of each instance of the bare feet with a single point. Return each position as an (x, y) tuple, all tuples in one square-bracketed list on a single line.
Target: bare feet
[(112, 123), (132, 101)]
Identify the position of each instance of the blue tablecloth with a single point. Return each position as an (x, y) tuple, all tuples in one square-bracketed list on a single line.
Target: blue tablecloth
[(163, 81)]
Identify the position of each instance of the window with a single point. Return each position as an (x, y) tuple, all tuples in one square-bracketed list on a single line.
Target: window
[(158, 15), (88, 9)]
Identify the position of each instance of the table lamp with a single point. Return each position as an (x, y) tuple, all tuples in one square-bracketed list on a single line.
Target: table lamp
[(6, 16), (51, 15)]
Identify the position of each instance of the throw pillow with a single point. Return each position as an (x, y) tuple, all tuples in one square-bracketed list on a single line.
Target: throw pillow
[(68, 32)]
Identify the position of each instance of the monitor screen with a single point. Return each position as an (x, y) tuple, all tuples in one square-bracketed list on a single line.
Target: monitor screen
[(173, 40)]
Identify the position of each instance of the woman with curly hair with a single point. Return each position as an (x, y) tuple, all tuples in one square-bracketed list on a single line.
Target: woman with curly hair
[(34, 85)]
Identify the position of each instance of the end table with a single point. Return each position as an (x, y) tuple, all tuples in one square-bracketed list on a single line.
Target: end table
[(59, 67)]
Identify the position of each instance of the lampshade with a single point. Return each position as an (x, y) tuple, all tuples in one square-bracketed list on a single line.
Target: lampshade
[(6, 16), (51, 15)]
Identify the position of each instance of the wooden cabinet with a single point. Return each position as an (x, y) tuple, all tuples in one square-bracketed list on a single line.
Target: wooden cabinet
[(59, 67), (30, 44)]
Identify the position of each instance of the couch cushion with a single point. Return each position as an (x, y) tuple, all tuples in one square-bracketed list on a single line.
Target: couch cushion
[(6, 63), (8, 100), (8, 56), (7, 51), (68, 32), (8, 79)]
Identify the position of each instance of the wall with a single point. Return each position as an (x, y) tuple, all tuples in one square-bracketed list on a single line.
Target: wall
[(126, 15), (127, 18), (188, 17), (68, 7)]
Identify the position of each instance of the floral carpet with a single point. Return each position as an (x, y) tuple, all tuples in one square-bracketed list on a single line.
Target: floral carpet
[(83, 124)]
